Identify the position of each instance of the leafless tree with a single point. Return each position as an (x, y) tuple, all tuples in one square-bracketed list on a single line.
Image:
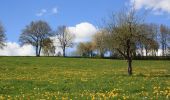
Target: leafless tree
[(124, 32), (164, 35), (149, 43), (100, 41), (65, 38), (35, 33)]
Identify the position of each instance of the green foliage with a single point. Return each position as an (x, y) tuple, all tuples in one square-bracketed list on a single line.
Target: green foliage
[(83, 78)]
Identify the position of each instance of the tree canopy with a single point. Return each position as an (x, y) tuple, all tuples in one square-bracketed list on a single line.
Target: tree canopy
[(35, 33)]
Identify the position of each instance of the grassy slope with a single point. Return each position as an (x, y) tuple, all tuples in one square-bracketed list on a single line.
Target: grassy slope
[(62, 78)]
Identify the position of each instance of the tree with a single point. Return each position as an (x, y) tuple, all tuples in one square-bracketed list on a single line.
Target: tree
[(35, 33), (81, 49), (124, 33), (164, 38), (149, 43), (168, 52), (48, 47), (99, 40), (86, 49), (65, 38), (2, 36)]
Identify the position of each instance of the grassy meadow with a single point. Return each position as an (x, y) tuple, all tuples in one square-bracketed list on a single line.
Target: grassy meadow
[(51, 78)]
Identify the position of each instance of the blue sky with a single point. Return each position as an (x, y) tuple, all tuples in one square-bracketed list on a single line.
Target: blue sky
[(16, 14), (82, 14)]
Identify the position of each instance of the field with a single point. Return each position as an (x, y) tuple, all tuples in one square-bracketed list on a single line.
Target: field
[(53, 78)]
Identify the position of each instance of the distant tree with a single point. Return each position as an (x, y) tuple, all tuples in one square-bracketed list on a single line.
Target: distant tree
[(2, 36), (124, 33), (48, 47), (81, 49), (149, 43), (168, 52), (35, 33), (100, 41), (86, 49), (65, 38), (164, 34), (90, 48)]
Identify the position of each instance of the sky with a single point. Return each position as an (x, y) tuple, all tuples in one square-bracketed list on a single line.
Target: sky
[(81, 16)]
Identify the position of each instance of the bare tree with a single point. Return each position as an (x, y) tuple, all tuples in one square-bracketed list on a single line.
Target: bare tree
[(168, 51), (124, 32), (99, 40), (35, 33), (164, 39), (65, 38), (2, 36), (149, 43)]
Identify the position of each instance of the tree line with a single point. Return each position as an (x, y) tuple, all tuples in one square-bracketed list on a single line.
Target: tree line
[(126, 34)]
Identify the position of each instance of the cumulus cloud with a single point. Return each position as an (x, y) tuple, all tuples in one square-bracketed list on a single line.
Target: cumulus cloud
[(14, 49), (157, 6), (83, 31)]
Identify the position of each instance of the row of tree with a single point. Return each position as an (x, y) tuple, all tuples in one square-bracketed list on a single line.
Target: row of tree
[(126, 34), (40, 35), (145, 39)]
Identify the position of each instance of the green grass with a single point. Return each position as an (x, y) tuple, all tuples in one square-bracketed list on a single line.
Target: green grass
[(82, 78)]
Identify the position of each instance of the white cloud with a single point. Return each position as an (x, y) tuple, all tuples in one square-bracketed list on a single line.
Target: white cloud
[(42, 12), (14, 49), (54, 10), (51, 11), (157, 6), (83, 31)]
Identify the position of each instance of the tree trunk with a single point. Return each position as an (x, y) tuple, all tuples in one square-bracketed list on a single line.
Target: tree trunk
[(129, 60), (129, 57), (146, 52), (141, 50), (64, 52), (129, 66), (163, 53), (37, 51)]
